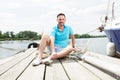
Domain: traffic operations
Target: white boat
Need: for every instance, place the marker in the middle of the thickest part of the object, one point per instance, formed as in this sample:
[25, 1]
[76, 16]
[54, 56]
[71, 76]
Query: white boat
[112, 30]
[111, 27]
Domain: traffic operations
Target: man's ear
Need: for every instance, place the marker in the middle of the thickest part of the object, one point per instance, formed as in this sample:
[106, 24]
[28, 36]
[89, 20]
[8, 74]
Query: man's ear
[57, 20]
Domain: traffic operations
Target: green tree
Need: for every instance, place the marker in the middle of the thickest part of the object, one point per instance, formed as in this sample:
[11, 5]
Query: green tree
[85, 36]
[12, 34]
[27, 35]
[0, 34]
[6, 35]
[77, 35]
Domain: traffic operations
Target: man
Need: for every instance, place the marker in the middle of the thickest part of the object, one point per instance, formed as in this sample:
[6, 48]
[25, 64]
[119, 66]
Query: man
[57, 42]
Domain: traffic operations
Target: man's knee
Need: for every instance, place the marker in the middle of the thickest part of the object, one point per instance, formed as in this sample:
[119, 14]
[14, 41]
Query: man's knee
[45, 36]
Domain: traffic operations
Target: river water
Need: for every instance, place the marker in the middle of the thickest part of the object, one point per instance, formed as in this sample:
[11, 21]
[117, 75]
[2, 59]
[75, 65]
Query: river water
[9, 48]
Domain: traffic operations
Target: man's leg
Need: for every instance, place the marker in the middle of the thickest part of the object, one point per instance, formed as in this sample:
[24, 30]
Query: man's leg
[45, 40]
[66, 51]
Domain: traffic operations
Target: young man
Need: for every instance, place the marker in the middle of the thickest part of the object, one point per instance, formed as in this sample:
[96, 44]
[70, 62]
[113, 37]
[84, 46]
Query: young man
[57, 41]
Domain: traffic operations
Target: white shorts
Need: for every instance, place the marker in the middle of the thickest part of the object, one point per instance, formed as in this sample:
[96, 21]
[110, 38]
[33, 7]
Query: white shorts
[57, 48]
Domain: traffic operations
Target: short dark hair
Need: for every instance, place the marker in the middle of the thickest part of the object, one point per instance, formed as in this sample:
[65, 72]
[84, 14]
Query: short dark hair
[61, 14]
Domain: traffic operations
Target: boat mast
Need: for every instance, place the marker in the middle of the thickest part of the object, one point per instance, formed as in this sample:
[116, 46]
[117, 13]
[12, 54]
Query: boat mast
[113, 10]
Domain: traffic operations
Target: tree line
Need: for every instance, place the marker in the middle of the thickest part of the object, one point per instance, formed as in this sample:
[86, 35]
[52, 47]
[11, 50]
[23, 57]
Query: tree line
[88, 36]
[31, 35]
[22, 35]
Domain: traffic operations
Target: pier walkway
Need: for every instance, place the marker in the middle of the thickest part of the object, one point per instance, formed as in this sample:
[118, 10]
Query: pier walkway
[69, 68]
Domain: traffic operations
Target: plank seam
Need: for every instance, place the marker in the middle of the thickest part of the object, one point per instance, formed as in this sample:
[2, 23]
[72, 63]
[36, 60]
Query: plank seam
[16, 54]
[88, 69]
[44, 72]
[15, 64]
[107, 72]
[64, 70]
[25, 68]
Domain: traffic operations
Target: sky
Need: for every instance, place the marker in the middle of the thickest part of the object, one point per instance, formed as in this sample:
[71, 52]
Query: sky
[40, 15]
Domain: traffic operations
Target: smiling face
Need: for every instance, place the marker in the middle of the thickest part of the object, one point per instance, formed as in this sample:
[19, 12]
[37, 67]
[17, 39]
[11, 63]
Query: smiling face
[61, 20]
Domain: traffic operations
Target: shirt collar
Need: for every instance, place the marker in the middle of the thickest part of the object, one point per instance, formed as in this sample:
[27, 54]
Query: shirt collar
[58, 28]
[64, 26]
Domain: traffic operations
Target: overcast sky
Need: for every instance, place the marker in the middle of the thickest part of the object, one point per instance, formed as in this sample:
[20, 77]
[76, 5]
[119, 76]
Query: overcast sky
[40, 15]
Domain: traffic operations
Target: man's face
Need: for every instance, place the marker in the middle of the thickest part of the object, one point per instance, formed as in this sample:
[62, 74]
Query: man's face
[61, 20]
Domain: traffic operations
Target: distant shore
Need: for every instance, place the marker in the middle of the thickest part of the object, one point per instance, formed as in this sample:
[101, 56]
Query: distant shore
[31, 35]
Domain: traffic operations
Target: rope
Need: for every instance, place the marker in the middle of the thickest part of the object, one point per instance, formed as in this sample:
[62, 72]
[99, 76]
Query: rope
[82, 49]
[91, 31]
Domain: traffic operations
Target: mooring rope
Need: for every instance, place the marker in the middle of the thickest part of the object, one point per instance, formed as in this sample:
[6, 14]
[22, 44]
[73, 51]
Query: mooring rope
[84, 48]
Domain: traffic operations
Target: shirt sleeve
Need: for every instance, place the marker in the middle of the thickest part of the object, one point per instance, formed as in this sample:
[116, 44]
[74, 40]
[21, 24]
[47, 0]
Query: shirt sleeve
[52, 33]
[70, 31]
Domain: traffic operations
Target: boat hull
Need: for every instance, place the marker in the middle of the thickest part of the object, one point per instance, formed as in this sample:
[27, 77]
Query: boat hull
[114, 36]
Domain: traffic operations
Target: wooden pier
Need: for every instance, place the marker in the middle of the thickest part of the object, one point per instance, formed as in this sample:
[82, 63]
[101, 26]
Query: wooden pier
[69, 68]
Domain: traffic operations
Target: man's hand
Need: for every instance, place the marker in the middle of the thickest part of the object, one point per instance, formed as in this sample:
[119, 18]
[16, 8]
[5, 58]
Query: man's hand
[75, 50]
[54, 54]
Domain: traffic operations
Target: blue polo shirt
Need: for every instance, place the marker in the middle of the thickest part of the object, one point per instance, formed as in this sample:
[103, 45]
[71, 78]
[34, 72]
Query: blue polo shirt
[61, 37]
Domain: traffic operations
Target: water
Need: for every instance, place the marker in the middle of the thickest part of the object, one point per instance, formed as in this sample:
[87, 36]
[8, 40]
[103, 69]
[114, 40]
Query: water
[97, 45]
[10, 48]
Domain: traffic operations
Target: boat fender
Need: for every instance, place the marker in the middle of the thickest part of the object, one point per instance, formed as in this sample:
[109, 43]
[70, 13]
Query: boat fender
[34, 45]
[110, 49]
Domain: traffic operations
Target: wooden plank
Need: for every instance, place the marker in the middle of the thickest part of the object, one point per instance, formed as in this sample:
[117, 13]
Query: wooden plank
[55, 72]
[99, 56]
[106, 63]
[33, 73]
[15, 71]
[77, 72]
[18, 58]
[102, 75]
[4, 60]
[107, 66]
[103, 57]
[14, 56]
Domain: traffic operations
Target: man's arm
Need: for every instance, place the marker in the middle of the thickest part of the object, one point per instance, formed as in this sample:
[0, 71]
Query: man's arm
[73, 43]
[73, 40]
